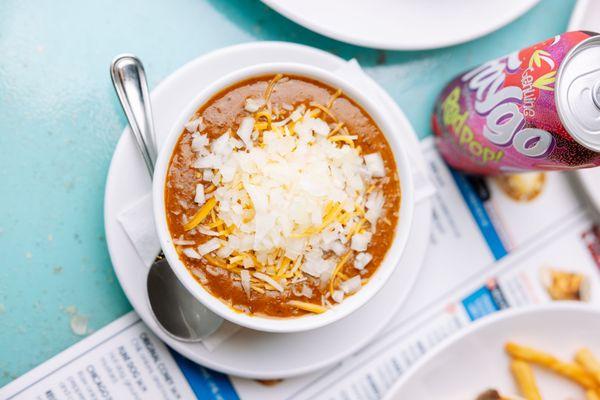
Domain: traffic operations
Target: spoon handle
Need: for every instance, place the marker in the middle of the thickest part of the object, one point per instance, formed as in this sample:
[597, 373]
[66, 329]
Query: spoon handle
[129, 80]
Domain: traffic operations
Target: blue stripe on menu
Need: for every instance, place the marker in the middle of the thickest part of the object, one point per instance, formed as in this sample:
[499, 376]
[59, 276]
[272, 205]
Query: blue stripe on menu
[480, 215]
[206, 384]
[480, 303]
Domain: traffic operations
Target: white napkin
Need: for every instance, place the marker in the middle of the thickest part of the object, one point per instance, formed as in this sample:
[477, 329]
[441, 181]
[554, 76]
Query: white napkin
[138, 219]
[138, 222]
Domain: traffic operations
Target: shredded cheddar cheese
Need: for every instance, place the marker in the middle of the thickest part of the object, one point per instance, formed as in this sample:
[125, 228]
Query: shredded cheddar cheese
[311, 307]
[337, 269]
[201, 214]
[324, 109]
[269, 90]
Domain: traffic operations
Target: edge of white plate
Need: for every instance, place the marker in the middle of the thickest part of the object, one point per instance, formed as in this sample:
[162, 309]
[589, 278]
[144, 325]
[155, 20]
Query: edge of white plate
[526, 5]
[481, 324]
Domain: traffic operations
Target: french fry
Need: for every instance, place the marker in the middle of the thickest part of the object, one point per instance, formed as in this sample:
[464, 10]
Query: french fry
[523, 374]
[589, 362]
[592, 395]
[572, 371]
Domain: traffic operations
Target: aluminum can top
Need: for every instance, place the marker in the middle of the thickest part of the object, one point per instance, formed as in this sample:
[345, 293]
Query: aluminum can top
[577, 93]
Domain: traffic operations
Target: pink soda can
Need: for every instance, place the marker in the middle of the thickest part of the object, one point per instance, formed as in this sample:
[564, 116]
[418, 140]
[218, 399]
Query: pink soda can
[536, 109]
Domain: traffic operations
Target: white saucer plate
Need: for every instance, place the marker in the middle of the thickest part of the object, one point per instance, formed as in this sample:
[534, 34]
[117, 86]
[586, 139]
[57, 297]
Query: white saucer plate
[402, 24]
[248, 353]
[475, 360]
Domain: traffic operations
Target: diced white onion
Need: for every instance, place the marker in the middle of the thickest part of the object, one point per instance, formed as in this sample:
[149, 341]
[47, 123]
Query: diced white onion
[360, 241]
[317, 266]
[205, 231]
[338, 296]
[207, 175]
[183, 242]
[306, 291]
[247, 262]
[253, 105]
[214, 271]
[199, 198]
[225, 251]
[352, 285]
[361, 260]
[375, 165]
[194, 125]
[374, 207]
[245, 130]
[199, 142]
[245, 279]
[338, 248]
[191, 253]
[209, 246]
[200, 275]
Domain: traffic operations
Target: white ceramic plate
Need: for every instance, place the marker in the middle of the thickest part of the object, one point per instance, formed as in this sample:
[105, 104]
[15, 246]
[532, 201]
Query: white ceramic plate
[249, 353]
[587, 16]
[402, 24]
[475, 360]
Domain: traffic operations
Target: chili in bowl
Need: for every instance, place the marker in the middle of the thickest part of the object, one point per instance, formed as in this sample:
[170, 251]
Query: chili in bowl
[283, 198]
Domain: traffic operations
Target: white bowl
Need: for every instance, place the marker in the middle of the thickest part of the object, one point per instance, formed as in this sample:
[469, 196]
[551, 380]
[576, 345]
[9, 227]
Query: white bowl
[475, 360]
[382, 273]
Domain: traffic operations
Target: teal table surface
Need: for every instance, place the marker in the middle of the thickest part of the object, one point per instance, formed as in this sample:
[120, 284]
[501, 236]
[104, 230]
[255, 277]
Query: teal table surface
[60, 122]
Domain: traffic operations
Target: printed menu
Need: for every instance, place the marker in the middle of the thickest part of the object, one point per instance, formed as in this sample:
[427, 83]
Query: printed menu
[495, 244]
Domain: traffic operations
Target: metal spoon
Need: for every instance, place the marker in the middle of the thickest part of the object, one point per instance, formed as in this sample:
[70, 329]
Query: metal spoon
[175, 309]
